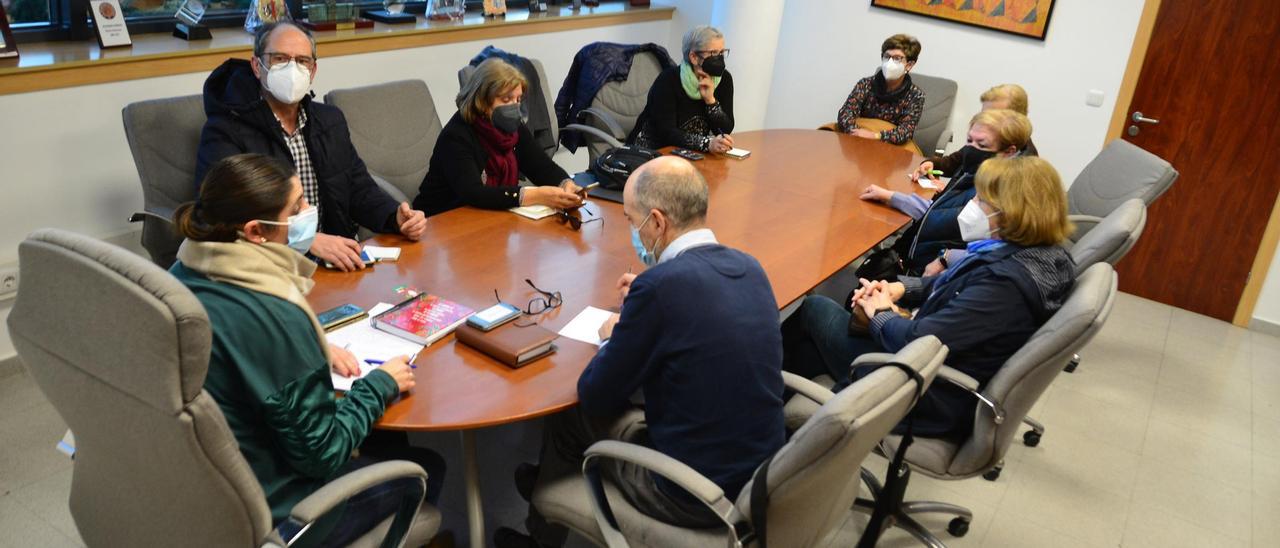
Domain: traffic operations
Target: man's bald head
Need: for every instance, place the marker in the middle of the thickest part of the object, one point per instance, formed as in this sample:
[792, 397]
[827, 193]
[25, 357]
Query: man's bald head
[670, 185]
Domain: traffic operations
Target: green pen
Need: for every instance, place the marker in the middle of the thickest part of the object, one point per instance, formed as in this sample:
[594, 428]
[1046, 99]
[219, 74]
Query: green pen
[934, 172]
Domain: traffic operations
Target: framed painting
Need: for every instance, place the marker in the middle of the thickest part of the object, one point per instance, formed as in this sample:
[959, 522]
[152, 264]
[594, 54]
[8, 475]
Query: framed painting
[1021, 17]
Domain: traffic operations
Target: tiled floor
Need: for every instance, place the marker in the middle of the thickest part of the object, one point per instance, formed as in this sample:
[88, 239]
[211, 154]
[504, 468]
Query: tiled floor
[1167, 435]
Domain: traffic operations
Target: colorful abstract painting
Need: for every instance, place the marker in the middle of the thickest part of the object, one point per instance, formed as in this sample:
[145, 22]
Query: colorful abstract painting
[1021, 17]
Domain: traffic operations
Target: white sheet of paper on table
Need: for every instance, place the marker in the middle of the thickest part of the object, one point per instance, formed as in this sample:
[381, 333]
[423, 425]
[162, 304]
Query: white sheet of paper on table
[367, 343]
[379, 253]
[927, 183]
[585, 326]
[534, 212]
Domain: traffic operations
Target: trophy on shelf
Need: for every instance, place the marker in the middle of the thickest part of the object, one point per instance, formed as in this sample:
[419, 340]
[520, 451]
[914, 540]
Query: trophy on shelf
[189, 15]
[392, 12]
[536, 6]
[446, 10]
[265, 11]
[334, 15]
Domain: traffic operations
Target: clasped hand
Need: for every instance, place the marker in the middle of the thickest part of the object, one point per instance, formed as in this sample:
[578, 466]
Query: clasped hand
[873, 296]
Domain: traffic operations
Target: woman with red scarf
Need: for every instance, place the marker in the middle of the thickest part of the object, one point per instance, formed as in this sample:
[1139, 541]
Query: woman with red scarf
[485, 147]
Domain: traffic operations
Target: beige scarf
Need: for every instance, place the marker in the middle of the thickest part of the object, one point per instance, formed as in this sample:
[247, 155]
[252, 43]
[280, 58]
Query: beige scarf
[271, 268]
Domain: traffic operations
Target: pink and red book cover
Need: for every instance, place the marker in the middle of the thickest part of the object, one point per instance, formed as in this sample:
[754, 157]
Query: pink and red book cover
[423, 319]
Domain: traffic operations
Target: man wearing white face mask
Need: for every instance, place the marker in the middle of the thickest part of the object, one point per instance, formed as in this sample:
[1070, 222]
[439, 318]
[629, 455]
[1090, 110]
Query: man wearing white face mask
[265, 106]
[698, 334]
[887, 95]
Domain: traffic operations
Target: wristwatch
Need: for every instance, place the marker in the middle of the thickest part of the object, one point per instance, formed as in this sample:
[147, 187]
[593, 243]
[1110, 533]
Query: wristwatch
[942, 258]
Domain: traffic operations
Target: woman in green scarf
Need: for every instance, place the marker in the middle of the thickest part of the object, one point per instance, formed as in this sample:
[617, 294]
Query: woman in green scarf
[269, 366]
[691, 106]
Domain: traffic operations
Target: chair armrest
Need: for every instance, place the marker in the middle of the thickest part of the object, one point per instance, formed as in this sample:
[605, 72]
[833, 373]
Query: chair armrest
[807, 388]
[872, 358]
[395, 193]
[970, 385]
[162, 213]
[677, 472]
[336, 492]
[594, 132]
[1084, 223]
[943, 141]
[614, 127]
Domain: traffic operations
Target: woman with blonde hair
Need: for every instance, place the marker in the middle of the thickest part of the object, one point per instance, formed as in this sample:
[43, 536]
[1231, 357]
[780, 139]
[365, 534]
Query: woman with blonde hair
[485, 147]
[992, 134]
[984, 308]
[999, 97]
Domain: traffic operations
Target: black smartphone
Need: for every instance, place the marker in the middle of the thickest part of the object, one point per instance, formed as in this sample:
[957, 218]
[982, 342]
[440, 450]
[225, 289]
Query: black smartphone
[337, 317]
[687, 154]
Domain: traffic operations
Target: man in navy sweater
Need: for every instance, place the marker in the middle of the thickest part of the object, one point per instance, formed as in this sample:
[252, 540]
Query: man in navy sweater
[698, 335]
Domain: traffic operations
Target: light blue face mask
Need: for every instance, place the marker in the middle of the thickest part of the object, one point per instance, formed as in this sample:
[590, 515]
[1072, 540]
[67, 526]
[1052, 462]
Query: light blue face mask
[649, 259]
[302, 229]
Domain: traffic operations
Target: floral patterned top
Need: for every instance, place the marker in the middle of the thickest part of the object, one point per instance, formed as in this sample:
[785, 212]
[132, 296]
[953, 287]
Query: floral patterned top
[901, 107]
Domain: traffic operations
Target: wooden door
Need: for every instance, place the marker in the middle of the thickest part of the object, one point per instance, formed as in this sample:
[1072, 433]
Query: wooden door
[1210, 77]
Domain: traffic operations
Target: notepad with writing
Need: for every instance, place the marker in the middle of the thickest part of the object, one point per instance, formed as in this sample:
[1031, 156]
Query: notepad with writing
[423, 318]
[534, 212]
[511, 344]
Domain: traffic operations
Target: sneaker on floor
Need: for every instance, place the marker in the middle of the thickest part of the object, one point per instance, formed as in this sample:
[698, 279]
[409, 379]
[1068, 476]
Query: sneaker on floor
[526, 478]
[506, 537]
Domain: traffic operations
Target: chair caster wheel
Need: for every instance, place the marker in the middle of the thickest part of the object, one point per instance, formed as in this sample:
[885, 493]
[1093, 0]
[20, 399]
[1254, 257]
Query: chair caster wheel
[958, 527]
[991, 475]
[1031, 438]
[1071, 366]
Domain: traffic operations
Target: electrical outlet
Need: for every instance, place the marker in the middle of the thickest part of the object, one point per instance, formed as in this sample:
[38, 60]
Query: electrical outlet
[8, 281]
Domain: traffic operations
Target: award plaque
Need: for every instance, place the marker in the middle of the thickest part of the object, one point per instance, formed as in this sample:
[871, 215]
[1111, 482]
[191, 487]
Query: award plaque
[189, 15]
[8, 48]
[265, 11]
[108, 21]
[495, 8]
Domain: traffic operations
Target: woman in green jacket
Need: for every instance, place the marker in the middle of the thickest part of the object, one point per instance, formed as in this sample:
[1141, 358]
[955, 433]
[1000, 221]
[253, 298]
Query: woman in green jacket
[269, 367]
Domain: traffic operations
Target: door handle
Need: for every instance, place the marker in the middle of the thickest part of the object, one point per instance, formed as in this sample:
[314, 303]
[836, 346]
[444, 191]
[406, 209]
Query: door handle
[1137, 117]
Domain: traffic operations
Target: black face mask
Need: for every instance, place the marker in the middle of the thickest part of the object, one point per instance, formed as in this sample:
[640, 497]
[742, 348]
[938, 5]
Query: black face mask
[508, 118]
[973, 157]
[714, 66]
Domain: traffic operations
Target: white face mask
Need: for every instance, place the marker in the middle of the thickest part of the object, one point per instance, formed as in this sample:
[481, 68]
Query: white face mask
[974, 224]
[289, 82]
[893, 70]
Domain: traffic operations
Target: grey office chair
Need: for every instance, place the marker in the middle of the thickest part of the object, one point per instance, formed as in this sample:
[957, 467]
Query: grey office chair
[613, 112]
[1120, 172]
[394, 127]
[809, 495]
[121, 349]
[164, 135]
[933, 132]
[464, 75]
[1112, 237]
[1001, 404]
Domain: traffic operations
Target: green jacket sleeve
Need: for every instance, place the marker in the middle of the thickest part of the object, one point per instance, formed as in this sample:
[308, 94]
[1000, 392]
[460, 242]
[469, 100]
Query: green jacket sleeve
[287, 379]
[316, 430]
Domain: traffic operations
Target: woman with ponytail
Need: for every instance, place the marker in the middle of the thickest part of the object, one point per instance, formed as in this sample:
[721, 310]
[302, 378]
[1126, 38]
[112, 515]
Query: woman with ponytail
[269, 365]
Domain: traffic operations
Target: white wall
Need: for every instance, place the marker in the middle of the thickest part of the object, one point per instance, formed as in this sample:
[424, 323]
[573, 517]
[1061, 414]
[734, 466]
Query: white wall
[1266, 315]
[827, 45]
[67, 165]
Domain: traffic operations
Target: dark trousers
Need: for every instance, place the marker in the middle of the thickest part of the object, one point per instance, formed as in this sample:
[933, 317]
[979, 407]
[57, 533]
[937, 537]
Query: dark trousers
[370, 507]
[816, 341]
[567, 436]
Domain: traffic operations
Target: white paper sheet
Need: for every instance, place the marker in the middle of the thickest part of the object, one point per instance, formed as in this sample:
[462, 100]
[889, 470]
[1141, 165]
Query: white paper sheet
[927, 183]
[379, 253]
[367, 343]
[585, 326]
[534, 212]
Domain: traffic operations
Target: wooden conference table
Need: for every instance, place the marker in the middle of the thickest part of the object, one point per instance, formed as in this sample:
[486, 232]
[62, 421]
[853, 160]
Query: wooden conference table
[793, 205]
